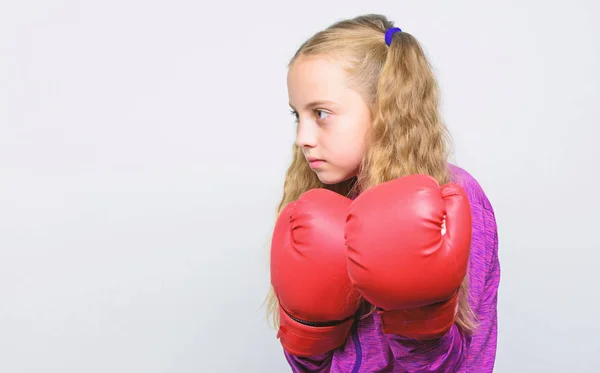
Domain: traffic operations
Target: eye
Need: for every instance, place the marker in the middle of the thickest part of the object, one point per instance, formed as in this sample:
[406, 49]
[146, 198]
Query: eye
[319, 112]
[294, 114]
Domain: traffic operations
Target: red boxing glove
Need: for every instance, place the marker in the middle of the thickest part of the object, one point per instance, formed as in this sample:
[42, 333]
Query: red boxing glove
[400, 260]
[309, 274]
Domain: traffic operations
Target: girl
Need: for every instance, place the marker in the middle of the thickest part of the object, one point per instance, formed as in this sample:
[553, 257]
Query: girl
[384, 256]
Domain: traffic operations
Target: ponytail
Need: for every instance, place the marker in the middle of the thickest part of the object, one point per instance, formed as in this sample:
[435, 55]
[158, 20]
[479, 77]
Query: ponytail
[407, 136]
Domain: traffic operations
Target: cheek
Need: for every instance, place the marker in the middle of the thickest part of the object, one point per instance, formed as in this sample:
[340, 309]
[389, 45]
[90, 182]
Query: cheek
[352, 147]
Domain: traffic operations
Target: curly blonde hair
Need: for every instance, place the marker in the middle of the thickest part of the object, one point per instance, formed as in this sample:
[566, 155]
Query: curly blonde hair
[407, 134]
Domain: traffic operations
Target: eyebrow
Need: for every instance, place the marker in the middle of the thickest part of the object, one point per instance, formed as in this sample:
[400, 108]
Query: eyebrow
[316, 103]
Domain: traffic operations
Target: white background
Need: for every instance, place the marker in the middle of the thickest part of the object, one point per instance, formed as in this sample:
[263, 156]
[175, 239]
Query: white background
[143, 146]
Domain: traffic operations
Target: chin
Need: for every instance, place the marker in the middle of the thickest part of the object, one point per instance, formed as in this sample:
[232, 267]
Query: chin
[330, 179]
[327, 181]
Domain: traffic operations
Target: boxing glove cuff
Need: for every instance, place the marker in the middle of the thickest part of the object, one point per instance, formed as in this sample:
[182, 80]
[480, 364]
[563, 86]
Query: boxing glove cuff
[423, 323]
[301, 339]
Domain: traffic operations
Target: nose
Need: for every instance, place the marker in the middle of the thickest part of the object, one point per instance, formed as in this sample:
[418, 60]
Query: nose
[306, 135]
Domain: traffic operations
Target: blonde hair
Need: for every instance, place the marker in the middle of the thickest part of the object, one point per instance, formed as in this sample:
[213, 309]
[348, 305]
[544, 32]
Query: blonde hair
[407, 134]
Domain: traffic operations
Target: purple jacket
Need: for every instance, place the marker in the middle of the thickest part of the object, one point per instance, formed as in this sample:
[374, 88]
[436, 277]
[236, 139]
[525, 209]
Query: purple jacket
[368, 350]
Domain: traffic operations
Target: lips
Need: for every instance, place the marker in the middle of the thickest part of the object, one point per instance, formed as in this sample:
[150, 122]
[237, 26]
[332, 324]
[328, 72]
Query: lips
[315, 162]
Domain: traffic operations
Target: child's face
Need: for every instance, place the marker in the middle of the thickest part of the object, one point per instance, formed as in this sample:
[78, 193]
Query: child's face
[332, 118]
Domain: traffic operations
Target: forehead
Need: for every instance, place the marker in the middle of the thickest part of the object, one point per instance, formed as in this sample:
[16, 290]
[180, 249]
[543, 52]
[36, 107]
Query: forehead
[316, 78]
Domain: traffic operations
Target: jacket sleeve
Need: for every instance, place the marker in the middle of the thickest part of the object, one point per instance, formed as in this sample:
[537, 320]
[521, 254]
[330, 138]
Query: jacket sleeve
[456, 352]
[314, 364]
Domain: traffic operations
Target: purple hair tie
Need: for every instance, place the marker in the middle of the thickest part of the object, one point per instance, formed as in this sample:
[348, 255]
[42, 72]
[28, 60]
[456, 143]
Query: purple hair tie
[389, 33]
